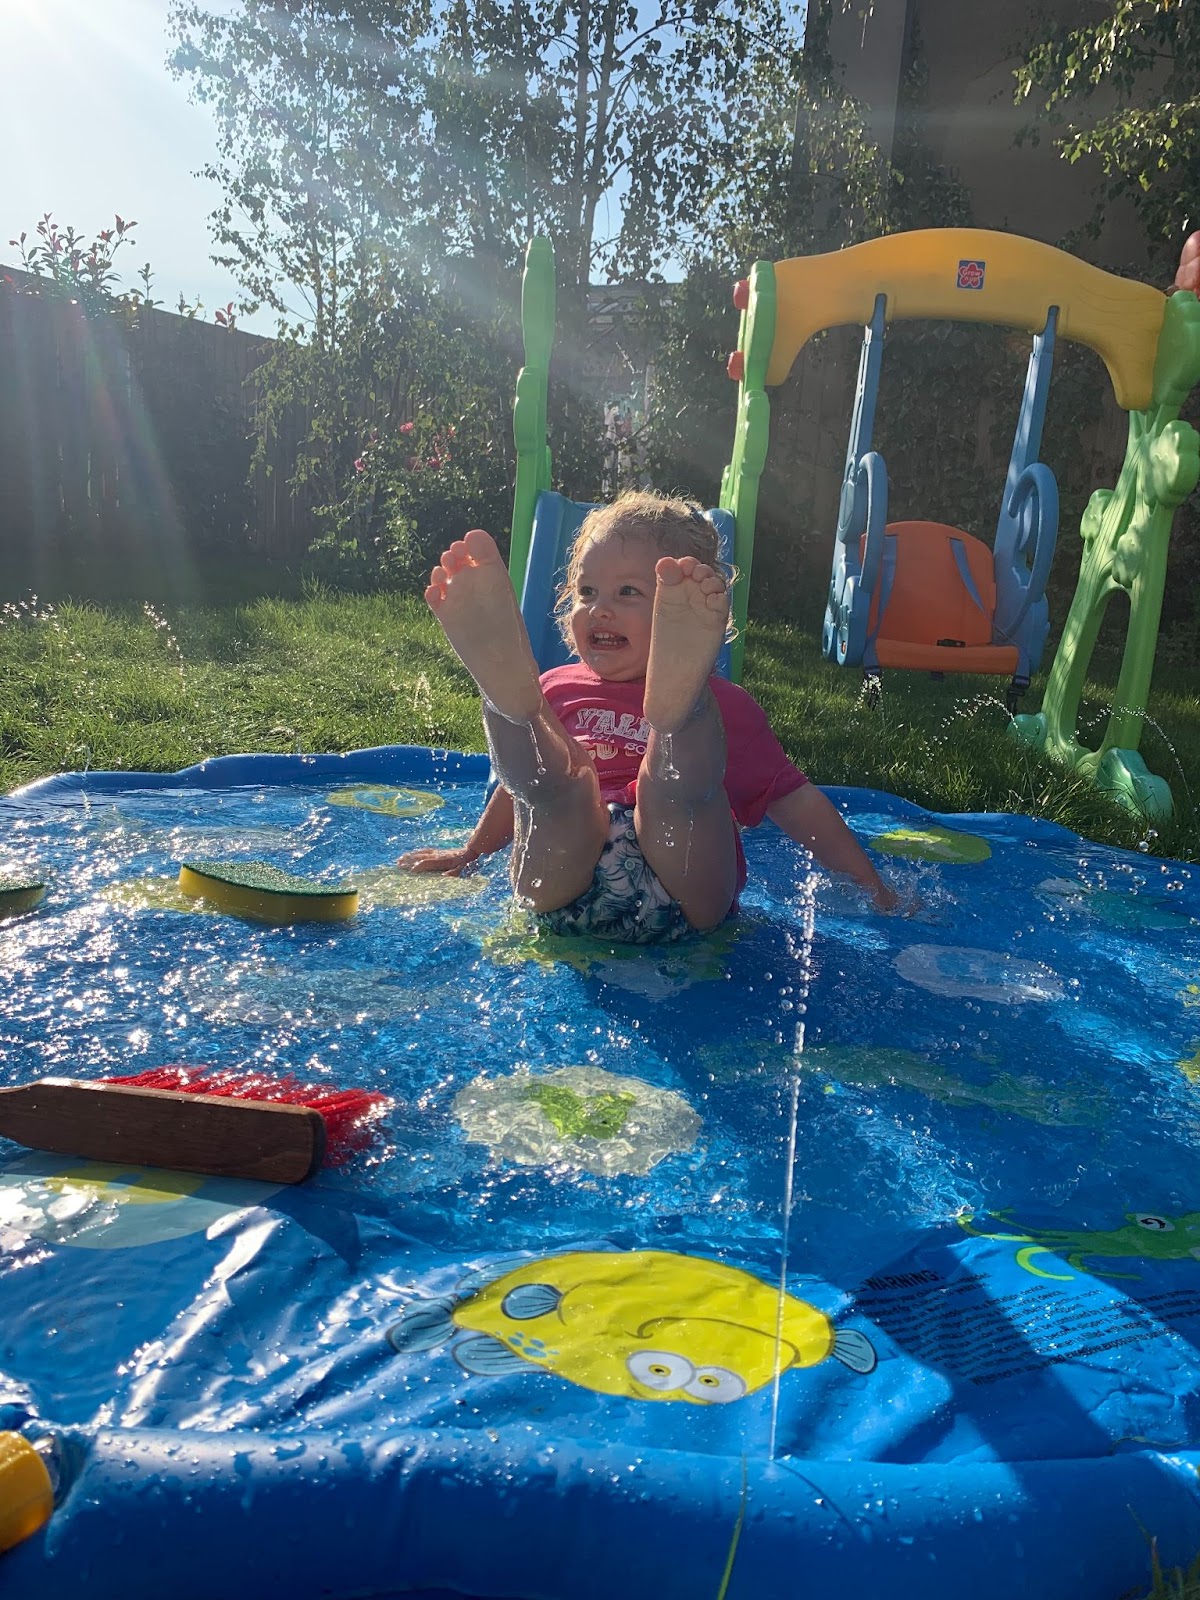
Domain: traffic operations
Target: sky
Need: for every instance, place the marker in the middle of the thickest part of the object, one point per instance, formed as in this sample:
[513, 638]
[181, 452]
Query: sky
[92, 124]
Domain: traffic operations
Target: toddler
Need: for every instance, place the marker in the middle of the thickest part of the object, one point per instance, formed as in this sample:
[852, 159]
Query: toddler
[626, 776]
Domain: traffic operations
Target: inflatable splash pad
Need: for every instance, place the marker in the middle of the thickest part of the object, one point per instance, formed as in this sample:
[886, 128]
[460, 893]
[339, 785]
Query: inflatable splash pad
[833, 1250]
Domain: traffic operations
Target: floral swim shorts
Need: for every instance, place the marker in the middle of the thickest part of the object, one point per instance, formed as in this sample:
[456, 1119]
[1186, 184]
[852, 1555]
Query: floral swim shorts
[625, 901]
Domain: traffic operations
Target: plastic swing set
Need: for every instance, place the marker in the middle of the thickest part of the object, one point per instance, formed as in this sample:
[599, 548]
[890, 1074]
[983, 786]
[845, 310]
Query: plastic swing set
[919, 595]
[544, 522]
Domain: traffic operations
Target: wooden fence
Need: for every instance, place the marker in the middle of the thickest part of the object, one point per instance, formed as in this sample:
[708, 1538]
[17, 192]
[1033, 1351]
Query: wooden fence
[130, 439]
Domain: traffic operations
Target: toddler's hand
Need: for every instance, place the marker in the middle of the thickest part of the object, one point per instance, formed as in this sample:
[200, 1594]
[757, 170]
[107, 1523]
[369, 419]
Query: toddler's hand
[885, 898]
[896, 903]
[450, 863]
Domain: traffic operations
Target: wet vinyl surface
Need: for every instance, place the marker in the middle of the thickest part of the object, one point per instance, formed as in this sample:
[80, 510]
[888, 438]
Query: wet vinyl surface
[981, 1124]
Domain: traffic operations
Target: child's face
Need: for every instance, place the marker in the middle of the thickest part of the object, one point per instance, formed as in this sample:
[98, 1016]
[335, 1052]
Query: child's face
[614, 606]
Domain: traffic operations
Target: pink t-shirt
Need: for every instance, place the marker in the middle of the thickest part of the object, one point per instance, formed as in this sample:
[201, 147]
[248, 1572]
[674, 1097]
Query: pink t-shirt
[607, 718]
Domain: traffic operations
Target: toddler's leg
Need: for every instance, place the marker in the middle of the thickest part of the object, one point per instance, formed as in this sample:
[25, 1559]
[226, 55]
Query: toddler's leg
[561, 821]
[683, 821]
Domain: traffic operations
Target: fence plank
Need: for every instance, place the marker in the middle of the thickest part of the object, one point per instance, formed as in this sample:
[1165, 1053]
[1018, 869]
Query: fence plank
[121, 435]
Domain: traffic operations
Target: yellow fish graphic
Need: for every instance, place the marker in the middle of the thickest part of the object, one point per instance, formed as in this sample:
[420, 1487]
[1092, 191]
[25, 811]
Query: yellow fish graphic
[648, 1324]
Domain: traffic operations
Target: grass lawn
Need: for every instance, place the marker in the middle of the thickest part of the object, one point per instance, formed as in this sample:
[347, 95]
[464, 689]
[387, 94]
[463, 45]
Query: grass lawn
[157, 689]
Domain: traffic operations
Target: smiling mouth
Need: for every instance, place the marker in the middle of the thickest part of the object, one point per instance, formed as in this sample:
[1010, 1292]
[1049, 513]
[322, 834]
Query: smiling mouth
[608, 641]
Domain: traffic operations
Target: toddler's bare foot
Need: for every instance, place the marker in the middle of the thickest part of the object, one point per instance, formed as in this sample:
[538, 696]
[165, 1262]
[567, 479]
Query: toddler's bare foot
[471, 595]
[691, 609]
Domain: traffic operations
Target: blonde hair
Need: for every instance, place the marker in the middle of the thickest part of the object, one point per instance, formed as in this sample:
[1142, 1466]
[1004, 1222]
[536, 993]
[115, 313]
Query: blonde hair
[675, 527]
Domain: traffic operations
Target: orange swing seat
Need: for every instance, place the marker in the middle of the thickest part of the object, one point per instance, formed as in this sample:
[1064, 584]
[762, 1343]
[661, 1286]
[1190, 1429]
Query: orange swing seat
[934, 604]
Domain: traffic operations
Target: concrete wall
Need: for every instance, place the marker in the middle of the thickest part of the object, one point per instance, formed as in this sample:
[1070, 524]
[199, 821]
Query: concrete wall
[870, 41]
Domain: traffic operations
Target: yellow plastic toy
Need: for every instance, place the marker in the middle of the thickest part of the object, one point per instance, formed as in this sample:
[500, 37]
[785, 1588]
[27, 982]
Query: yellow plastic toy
[263, 893]
[26, 1490]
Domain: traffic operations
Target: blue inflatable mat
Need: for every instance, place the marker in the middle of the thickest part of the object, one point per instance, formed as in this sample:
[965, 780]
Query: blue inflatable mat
[834, 1249]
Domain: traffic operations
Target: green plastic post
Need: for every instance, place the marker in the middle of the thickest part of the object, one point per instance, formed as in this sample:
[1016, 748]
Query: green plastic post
[529, 407]
[739, 485]
[1125, 532]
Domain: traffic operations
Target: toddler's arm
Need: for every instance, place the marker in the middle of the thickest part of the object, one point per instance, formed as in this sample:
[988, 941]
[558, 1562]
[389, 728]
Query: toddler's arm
[491, 833]
[812, 820]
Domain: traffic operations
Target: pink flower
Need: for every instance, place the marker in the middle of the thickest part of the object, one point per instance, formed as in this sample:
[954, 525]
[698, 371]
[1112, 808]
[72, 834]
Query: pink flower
[407, 427]
[360, 465]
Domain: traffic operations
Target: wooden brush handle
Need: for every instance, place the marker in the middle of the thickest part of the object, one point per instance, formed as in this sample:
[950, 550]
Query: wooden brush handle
[222, 1137]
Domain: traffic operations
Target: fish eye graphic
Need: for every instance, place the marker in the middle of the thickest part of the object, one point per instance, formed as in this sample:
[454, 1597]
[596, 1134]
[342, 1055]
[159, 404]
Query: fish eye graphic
[1153, 1224]
[717, 1385]
[660, 1370]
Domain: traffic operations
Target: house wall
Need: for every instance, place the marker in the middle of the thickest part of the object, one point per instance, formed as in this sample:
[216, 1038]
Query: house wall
[969, 51]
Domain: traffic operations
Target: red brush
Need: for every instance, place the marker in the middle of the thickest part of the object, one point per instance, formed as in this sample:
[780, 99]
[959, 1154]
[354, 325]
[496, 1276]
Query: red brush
[350, 1115]
[193, 1119]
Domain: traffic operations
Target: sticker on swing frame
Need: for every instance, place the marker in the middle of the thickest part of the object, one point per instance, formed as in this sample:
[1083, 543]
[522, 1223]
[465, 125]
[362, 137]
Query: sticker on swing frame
[971, 274]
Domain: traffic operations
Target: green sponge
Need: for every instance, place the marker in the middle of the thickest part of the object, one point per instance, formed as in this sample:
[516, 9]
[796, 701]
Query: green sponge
[19, 894]
[264, 893]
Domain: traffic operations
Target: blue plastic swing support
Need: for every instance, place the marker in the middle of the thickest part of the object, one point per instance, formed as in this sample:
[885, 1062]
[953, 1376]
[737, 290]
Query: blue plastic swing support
[1025, 533]
[863, 509]
[1027, 530]
[556, 521]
